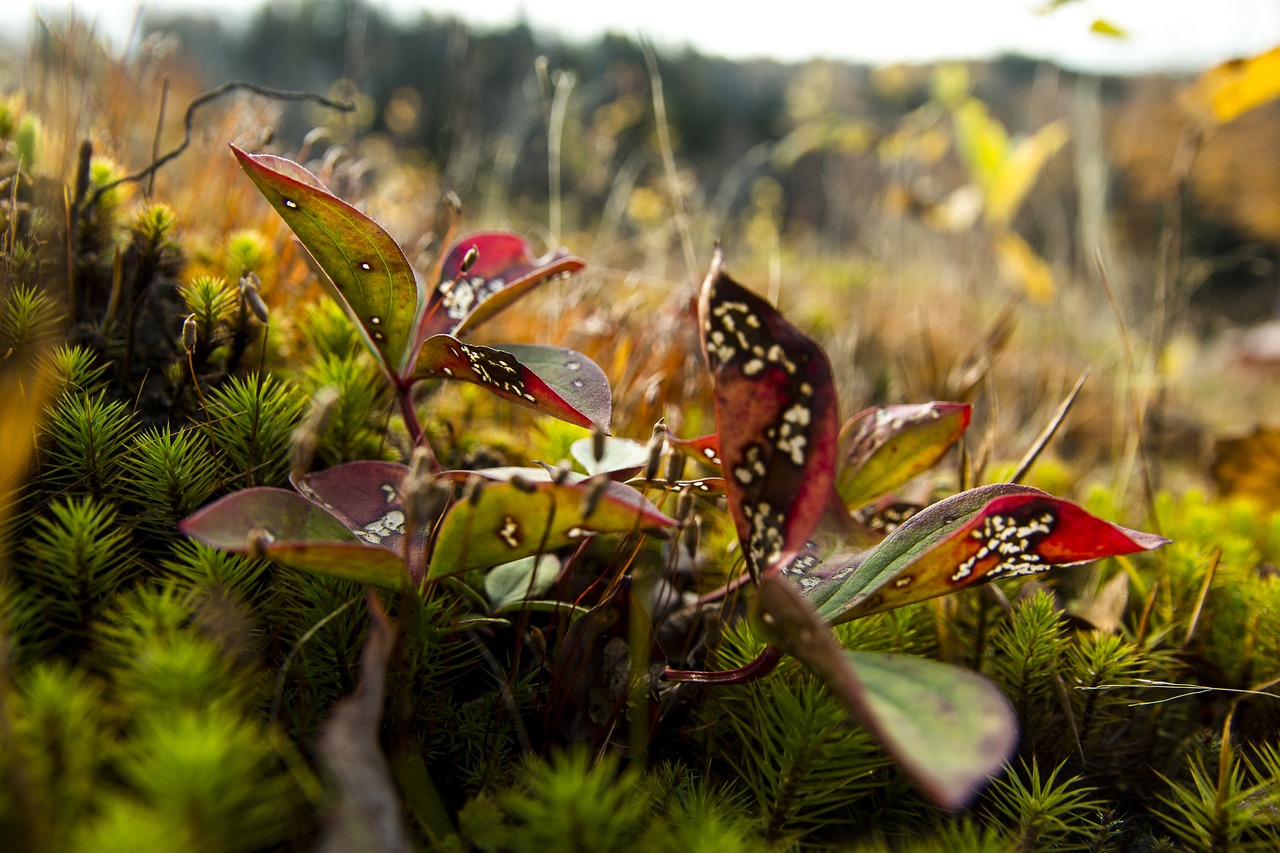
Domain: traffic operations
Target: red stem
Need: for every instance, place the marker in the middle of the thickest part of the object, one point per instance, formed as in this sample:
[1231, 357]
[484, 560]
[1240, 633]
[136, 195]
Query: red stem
[766, 663]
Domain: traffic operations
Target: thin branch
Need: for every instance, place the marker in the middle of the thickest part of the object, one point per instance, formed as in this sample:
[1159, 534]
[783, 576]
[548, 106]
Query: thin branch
[1047, 435]
[189, 118]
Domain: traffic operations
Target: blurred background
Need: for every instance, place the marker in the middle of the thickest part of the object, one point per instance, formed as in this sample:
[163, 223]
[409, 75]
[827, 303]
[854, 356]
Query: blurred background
[956, 197]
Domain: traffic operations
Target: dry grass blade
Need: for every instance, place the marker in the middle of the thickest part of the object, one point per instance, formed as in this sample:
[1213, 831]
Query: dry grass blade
[1049, 431]
[669, 162]
[1204, 593]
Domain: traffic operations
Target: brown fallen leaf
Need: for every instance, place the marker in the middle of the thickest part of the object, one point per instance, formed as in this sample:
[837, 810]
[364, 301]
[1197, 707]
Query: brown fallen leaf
[1249, 466]
[366, 811]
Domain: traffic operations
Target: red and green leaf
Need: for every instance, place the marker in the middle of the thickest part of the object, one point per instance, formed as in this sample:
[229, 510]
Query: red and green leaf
[705, 449]
[776, 416]
[503, 270]
[289, 529]
[556, 381]
[367, 272]
[949, 729]
[366, 496]
[884, 447]
[972, 538]
[520, 512]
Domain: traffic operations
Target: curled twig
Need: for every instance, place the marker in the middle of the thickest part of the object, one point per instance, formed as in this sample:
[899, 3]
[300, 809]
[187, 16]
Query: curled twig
[199, 101]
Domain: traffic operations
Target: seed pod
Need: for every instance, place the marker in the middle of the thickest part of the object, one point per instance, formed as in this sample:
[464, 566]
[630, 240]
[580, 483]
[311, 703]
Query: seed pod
[253, 298]
[675, 467]
[469, 260]
[597, 441]
[307, 435]
[691, 533]
[561, 474]
[595, 493]
[684, 504]
[258, 540]
[523, 484]
[189, 333]
[453, 204]
[471, 491]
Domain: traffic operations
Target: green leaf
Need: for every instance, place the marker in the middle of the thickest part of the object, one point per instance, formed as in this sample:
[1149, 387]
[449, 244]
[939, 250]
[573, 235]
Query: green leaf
[520, 580]
[553, 380]
[622, 456]
[950, 729]
[293, 531]
[521, 512]
[367, 271]
[884, 447]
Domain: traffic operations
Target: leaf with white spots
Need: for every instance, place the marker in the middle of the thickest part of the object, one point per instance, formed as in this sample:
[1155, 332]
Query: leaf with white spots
[705, 449]
[519, 512]
[622, 457]
[289, 529]
[366, 496]
[502, 270]
[972, 538]
[366, 271]
[949, 729]
[776, 416]
[884, 447]
[553, 380]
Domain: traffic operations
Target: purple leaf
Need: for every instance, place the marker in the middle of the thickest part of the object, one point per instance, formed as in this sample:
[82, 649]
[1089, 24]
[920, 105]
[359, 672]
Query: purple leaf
[366, 496]
[555, 381]
[504, 270]
[776, 416]
[292, 530]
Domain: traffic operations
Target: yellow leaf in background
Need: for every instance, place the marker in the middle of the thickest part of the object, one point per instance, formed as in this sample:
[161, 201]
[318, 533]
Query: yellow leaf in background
[24, 393]
[1020, 263]
[1250, 466]
[981, 141]
[1106, 28]
[1233, 88]
[1013, 180]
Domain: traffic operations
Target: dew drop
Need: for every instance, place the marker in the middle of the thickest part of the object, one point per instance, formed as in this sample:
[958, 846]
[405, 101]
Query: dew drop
[365, 265]
[291, 204]
[375, 321]
[578, 383]
[573, 365]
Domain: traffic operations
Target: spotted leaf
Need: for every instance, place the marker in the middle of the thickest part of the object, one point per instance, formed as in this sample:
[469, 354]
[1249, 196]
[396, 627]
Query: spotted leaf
[705, 449]
[519, 512]
[883, 448]
[776, 417]
[366, 496]
[949, 729]
[502, 270]
[290, 529]
[556, 381]
[969, 539]
[366, 271]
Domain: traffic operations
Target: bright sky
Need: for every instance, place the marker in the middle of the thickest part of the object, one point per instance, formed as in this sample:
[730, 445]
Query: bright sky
[1161, 34]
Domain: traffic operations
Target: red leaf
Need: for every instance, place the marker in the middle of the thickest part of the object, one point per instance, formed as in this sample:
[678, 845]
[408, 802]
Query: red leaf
[504, 270]
[776, 416]
[705, 449]
[292, 530]
[556, 381]
[951, 546]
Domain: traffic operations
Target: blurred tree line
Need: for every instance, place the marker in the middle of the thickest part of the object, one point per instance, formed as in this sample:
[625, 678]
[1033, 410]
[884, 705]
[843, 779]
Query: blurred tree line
[813, 146]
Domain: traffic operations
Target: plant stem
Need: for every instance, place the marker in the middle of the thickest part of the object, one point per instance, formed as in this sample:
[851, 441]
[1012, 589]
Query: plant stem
[766, 663]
